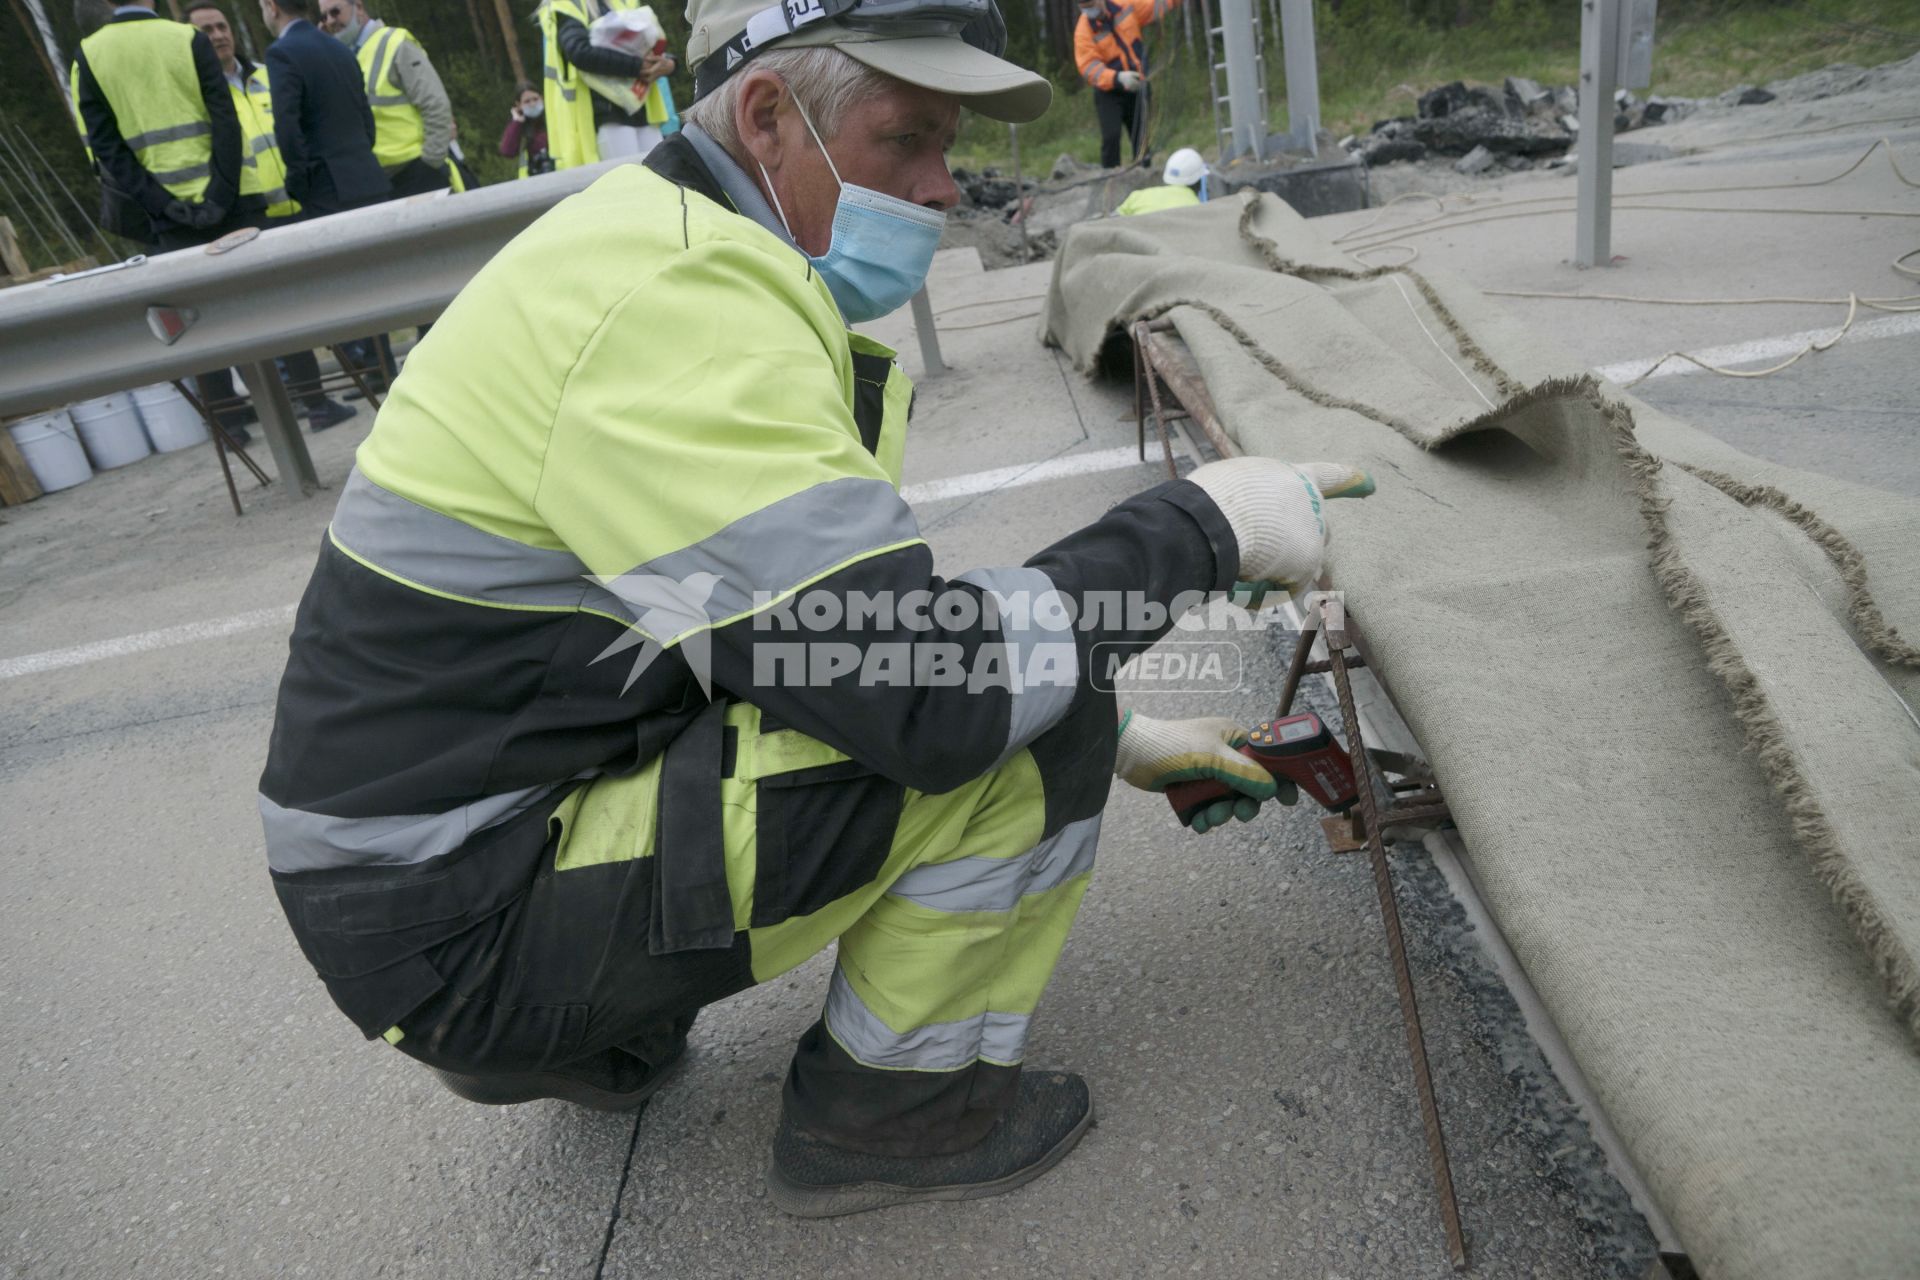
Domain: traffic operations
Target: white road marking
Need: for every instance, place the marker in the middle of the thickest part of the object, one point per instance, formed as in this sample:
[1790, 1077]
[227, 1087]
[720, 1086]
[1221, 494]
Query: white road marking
[1000, 478]
[143, 642]
[1078, 464]
[1761, 350]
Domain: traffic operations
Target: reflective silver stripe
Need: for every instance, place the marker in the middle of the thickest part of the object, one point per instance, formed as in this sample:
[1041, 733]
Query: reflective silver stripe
[553, 74]
[276, 196]
[772, 550]
[183, 175]
[998, 884]
[302, 841]
[1027, 599]
[174, 133]
[938, 1046]
[265, 142]
[443, 554]
[387, 100]
[377, 64]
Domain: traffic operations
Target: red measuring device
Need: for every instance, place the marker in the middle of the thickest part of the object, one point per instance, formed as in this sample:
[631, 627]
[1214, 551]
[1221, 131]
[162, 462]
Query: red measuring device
[1298, 748]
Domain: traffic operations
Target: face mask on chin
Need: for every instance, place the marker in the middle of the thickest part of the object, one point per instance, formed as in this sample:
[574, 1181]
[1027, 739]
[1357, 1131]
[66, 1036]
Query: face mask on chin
[882, 246]
[349, 35]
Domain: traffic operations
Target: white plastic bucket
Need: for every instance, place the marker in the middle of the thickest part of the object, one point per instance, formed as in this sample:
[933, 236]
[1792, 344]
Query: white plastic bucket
[170, 421]
[51, 445]
[110, 429]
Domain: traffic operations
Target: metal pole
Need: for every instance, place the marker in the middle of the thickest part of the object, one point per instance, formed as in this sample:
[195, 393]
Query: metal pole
[1303, 74]
[1249, 127]
[282, 428]
[1599, 56]
[929, 339]
[1019, 193]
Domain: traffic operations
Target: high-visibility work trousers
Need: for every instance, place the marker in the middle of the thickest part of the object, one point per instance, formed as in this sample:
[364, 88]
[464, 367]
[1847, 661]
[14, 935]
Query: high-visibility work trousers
[744, 850]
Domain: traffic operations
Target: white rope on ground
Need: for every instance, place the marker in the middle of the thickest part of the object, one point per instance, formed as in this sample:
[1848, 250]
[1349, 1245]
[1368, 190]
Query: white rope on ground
[1853, 310]
[1447, 219]
[1464, 376]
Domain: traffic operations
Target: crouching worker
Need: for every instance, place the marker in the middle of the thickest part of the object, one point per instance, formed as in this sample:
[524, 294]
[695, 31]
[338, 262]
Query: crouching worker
[1184, 184]
[625, 682]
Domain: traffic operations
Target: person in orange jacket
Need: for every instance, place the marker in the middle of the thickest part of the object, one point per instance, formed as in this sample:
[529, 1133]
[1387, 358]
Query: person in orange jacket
[1112, 57]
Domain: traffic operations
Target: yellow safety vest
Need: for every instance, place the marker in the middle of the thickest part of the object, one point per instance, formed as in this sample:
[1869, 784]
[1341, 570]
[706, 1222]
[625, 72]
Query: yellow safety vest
[80, 122]
[145, 70]
[1152, 199]
[570, 134]
[262, 171]
[398, 131]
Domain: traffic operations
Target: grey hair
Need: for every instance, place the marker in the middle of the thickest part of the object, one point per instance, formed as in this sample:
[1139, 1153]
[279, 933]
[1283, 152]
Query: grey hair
[821, 78]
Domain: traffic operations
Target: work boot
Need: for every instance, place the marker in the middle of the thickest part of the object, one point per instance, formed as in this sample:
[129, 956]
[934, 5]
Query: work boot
[612, 1081]
[812, 1178]
[327, 413]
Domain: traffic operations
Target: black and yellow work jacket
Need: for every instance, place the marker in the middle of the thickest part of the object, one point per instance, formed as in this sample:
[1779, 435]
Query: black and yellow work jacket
[639, 447]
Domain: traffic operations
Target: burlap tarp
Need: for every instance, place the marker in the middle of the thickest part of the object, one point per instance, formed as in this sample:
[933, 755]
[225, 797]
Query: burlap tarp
[1665, 690]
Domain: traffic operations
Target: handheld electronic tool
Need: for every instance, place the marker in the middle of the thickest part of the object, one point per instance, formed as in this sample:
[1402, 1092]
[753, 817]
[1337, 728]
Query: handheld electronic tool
[1297, 748]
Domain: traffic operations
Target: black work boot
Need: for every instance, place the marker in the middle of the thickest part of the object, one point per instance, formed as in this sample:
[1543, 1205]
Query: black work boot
[811, 1178]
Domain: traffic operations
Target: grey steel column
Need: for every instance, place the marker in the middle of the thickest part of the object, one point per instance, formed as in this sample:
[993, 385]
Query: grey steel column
[923, 329]
[1303, 75]
[1248, 126]
[1599, 61]
[282, 428]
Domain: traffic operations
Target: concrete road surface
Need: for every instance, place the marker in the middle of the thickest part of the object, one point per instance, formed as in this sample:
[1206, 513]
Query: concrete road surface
[180, 1098]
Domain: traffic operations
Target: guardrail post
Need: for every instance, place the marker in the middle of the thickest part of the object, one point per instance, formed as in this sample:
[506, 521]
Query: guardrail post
[1599, 61]
[1302, 61]
[929, 338]
[281, 427]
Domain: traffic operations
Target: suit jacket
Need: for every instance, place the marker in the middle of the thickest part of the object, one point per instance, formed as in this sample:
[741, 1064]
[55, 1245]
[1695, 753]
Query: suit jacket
[132, 203]
[322, 121]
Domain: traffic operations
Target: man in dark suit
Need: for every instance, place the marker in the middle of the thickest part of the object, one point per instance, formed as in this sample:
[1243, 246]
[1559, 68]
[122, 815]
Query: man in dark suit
[320, 114]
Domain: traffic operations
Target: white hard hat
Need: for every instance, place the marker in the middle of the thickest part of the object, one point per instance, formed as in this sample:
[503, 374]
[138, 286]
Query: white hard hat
[1184, 168]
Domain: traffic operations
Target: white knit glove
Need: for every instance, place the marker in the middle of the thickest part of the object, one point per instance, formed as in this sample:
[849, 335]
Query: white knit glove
[1130, 81]
[1277, 513]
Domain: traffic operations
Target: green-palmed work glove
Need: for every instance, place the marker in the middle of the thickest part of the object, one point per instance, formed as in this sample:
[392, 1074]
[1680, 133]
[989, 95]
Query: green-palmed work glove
[1155, 754]
[1277, 511]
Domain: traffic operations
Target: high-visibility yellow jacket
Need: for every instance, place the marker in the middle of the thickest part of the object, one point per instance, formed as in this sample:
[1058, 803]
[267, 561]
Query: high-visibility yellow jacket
[262, 172]
[398, 131]
[631, 443]
[145, 70]
[570, 130]
[1152, 199]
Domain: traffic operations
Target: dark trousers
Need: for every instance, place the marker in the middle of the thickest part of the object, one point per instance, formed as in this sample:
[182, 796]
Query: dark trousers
[1115, 109]
[581, 973]
[415, 178]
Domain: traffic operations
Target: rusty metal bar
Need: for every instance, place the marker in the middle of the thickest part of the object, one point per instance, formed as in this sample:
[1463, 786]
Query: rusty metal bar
[1397, 948]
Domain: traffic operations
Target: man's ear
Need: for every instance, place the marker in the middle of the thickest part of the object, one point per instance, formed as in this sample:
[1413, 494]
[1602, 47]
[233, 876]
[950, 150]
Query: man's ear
[757, 116]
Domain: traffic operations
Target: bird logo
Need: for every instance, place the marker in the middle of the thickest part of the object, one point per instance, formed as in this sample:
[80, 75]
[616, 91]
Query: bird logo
[666, 612]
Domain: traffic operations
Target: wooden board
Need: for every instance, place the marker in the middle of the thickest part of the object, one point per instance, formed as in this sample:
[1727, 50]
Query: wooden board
[17, 484]
[14, 261]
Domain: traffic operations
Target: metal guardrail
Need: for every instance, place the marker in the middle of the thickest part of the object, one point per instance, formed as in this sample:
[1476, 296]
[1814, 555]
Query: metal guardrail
[311, 284]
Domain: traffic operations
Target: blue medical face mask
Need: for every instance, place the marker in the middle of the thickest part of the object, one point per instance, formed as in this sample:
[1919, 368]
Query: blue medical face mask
[882, 246]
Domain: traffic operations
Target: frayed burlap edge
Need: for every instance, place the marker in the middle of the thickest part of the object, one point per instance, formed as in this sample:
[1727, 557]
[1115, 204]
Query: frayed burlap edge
[1270, 253]
[1687, 596]
[1880, 636]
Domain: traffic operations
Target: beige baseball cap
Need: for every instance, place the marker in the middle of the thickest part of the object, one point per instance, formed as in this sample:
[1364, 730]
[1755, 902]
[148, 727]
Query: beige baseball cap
[731, 30]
